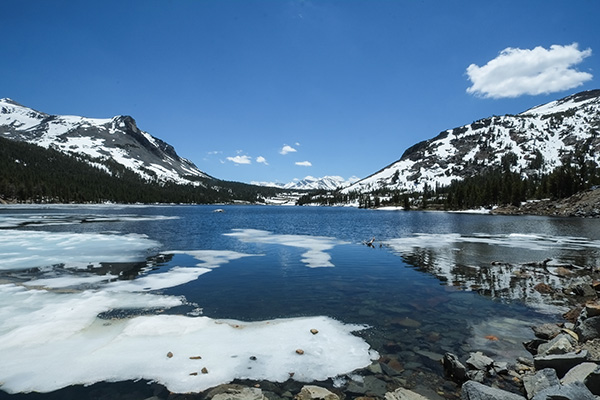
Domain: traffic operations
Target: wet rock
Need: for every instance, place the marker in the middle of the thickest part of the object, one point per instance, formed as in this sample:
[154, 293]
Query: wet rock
[369, 386]
[169, 355]
[572, 391]
[403, 394]
[476, 391]
[314, 331]
[453, 368]
[561, 344]
[311, 392]
[546, 331]
[588, 373]
[479, 361]
[235, 392]
[572, 314]
[542, 380]
[562, 363]
[500, 367]
[592, 310]
[588, 328]
[533, 345]
[584, 290]
[543, 288]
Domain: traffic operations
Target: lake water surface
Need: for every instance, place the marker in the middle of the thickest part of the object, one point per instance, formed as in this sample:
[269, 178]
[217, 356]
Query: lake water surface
[85, 286]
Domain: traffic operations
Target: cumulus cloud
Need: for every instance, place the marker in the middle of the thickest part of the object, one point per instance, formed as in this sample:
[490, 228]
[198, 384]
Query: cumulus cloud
[262, 160]
[516, 72]
[240, 159]
[287, 149]
[304, 163]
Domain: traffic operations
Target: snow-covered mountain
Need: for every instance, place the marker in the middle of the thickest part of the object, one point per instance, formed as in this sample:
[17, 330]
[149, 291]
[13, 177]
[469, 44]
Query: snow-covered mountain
[533, 142]
[97, 141]
[312, 183]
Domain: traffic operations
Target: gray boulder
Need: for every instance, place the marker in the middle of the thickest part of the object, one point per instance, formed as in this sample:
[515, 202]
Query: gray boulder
[588, 328]
[561, 363]
[561, 344]
[546, 331]
[472, 390]
[479, 361]
[542, 379]
[572, 391]
[588, 373]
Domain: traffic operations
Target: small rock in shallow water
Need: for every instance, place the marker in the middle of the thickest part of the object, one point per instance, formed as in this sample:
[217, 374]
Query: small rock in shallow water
[169, 355]
[311, 392]
[403, 394]
[314, 331]
[299, 351]
[204, 370]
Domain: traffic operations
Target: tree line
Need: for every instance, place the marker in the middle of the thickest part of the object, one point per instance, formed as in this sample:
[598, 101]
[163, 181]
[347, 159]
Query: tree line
[30, 173]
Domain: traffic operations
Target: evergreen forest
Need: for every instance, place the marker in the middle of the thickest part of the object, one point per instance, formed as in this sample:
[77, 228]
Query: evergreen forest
[29, 173]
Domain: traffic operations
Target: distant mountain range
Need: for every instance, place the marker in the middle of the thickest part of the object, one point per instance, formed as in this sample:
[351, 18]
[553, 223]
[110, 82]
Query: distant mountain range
[97, 141]
[312, 183]
[531, 143]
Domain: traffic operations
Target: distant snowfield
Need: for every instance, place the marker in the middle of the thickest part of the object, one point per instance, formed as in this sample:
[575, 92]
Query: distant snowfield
[52, 334]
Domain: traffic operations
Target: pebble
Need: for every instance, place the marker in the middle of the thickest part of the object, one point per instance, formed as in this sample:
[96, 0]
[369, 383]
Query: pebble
[314, 331]
[169, 355]
[299, 351]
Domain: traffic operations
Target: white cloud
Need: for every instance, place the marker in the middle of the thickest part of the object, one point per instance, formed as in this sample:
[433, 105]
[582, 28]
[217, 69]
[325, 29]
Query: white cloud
[516, 72]
[304, 163]
[262, 160]
[240, 159]
[287, 149]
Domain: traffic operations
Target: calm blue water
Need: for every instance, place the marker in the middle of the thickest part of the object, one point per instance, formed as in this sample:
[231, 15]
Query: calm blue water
[427, 286]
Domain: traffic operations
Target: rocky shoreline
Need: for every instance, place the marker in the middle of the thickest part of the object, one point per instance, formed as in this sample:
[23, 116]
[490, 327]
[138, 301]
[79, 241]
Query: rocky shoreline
[584, 204]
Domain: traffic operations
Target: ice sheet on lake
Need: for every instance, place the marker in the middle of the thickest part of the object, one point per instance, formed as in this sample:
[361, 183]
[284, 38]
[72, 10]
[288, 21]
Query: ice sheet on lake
[316, 246]
[53, 338]
[35, 249]
[44, 219]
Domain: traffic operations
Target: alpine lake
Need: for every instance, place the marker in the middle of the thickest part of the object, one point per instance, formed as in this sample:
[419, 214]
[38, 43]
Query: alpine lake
[393, 288]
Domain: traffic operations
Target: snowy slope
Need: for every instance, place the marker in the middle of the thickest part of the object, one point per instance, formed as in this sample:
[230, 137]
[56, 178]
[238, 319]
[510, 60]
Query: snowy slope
[97, 141]
[538, 140]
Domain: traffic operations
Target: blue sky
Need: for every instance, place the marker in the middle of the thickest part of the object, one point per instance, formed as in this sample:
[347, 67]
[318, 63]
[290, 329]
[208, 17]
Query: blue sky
[344, 86]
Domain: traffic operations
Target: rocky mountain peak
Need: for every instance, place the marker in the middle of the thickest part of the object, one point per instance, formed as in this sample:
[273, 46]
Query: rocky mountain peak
[531, 143]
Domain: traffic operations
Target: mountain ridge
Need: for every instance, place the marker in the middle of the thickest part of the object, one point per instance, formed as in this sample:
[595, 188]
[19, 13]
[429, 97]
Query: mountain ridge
[533, 142]
[98, 140]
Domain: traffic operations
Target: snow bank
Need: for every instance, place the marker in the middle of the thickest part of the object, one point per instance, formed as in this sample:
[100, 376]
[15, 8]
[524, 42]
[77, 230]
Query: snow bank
[51, 337]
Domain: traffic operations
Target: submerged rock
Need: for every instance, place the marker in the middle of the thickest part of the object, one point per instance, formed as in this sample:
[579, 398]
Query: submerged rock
[235, 392]
[404, 394]
[311, 392]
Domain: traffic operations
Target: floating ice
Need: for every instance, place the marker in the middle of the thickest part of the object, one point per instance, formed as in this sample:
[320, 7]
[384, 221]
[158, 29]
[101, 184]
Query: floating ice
[50, 338]
[34, 249]
[316, 246]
